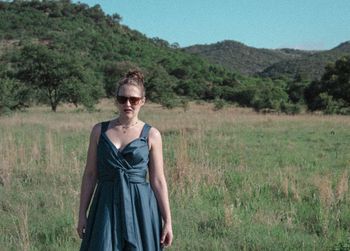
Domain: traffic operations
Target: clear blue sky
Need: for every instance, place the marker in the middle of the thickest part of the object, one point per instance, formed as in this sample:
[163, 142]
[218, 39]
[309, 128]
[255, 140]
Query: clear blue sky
[302, 24]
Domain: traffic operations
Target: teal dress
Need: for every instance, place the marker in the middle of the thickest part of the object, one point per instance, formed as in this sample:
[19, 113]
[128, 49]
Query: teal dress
[124, 214]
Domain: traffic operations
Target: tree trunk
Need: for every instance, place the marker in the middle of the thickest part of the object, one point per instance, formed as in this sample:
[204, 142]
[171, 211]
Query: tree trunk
[53, 100]
[53, 107]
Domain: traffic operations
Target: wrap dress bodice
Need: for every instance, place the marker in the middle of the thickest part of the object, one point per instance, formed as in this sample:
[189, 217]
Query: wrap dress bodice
[124, 214]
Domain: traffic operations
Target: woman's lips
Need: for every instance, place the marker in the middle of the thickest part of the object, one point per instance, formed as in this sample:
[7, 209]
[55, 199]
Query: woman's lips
[127, 110]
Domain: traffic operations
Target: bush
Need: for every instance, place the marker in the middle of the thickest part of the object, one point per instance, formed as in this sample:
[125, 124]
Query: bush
[219, 104]
[289, 108]
[262, 94]
[331, 93]
[328, 104]
[296, 90]
[13, 95]
[184, 104]
[169, 103]
[342, 246]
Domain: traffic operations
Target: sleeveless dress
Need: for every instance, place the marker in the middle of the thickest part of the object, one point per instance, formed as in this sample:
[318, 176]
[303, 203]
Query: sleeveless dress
[124, 214]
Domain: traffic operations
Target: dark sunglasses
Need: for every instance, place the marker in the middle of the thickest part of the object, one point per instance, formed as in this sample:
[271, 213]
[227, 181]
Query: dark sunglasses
[132, 100]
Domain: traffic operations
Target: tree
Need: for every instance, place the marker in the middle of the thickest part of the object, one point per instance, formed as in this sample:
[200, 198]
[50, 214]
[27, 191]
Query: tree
[269, 95]
[332, 92]
[159, 86]
[296, 89]
[13, 95]
[113, 72]
[116, 18]
[175, 45]
[160, 42]
[60, 76]
[336, 80]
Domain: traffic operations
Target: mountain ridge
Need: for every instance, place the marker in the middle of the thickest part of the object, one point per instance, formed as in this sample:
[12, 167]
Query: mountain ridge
[264, 62]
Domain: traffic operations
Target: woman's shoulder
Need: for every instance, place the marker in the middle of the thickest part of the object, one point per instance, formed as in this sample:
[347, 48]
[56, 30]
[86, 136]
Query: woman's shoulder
[154, 133]
[154, 138]
[100, 126]
[96, 130]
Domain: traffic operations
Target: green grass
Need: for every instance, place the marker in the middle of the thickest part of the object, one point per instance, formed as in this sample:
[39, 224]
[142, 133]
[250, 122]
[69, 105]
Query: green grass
[237, 180]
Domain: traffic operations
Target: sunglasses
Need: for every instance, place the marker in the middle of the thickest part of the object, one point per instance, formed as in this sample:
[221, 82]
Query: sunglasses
[132, 100]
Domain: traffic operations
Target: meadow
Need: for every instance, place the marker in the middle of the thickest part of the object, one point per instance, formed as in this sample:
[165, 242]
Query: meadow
[237, 180]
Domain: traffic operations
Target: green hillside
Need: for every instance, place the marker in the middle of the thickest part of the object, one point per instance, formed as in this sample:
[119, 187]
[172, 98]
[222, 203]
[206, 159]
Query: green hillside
[267, 62]
[310, 66]
[98, 42]
[55, 52]
[241, 58]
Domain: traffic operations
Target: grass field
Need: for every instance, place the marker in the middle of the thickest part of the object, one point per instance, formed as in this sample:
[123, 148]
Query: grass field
[237, 180]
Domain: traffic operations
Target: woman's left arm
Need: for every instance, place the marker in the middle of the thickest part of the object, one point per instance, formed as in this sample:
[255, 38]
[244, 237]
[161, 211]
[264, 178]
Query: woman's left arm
[159, 184]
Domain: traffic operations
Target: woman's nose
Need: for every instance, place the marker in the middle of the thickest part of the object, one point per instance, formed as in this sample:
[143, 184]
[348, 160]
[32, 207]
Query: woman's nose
[128, 102]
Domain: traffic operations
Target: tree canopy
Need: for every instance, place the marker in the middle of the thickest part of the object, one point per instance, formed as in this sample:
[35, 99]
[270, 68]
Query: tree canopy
[60, 77]
[58, 51]
[332, 92]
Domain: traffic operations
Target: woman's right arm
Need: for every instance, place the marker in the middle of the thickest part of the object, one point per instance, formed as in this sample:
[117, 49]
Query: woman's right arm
[89, 179]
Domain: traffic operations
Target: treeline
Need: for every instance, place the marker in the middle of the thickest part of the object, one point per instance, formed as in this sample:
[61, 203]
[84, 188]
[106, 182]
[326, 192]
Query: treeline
[242, 58]
[57, 51]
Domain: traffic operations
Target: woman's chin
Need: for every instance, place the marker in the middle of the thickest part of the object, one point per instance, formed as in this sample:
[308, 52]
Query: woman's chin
[128, 114]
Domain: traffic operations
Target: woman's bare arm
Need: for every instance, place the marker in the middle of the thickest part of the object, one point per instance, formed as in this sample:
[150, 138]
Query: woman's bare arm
[89, 178]
[159, 184]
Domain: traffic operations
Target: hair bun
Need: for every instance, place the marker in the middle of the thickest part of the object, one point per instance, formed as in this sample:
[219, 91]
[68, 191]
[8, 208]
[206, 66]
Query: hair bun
[133, 77]
[136, 75]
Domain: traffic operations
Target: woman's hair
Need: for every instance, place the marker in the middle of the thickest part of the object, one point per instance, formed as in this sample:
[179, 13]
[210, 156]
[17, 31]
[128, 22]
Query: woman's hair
[133, 77]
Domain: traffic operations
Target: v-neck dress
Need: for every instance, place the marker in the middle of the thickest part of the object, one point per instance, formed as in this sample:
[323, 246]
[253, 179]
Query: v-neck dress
[124, 214]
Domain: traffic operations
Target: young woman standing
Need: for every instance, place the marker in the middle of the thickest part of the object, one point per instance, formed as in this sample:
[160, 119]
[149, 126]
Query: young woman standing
[127, 212]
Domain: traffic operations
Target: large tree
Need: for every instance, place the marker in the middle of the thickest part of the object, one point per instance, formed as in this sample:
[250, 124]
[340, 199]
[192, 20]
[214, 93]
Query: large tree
[332, 92]
[59, 76]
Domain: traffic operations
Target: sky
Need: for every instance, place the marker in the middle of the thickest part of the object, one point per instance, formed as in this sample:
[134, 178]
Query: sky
[299, 24]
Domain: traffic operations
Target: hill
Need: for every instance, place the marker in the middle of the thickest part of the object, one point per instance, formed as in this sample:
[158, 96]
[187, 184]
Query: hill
[241, 58]
[53, 52]
[310, 66]
[269, 62]
[100, 43]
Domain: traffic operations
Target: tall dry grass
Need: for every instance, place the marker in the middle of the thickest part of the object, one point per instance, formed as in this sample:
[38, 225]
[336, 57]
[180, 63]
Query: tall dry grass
[237, 180]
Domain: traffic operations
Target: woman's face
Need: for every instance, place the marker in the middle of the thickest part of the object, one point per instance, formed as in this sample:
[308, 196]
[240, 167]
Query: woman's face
[128, 95]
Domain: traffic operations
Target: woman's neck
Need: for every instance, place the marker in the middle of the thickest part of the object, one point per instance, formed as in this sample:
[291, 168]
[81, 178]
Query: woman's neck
[127, 121]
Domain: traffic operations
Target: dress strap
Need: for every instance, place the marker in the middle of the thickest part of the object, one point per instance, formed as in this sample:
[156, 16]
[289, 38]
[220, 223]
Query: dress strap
[104, 126]
[145, 131]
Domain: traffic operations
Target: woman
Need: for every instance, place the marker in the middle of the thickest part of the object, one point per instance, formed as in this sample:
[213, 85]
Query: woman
[126, 212]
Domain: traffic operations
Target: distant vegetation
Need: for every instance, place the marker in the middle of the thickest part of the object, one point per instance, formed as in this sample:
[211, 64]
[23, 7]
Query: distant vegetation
[56, 51]
[332, 93]
[274, 63]
[241, 58]
[311, 66]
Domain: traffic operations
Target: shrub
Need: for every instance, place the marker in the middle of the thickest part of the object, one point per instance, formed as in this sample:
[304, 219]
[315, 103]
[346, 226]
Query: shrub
[289, 108]
[219, 104]
[13, 95]
[331, 93]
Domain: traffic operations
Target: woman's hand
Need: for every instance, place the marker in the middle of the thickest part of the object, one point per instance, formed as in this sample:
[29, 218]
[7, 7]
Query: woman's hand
[167, 235]
[81, 227]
